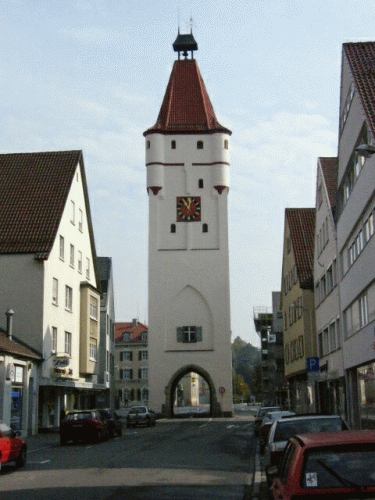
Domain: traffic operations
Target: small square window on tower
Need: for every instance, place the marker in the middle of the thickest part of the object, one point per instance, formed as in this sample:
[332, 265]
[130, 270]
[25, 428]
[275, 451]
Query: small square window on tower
[200, 183]
[199, 144]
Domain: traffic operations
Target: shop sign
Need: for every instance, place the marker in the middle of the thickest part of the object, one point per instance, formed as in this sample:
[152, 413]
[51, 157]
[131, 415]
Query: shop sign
[18, 375]
[62, 362]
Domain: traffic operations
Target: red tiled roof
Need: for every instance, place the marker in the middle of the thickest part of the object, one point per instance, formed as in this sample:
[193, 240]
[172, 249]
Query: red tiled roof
[186, 107]
[301, 223]
[33, 194]
[16, 347]
[330, 168]
[361, 59]
[135, 331]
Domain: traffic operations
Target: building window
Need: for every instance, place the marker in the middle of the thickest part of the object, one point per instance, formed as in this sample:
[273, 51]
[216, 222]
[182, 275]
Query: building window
[87, 268]
[71, 255]
[144, 336]
[173, 144]
[68, 298]
[226, 144]
[189, 334]
[55, 291]
[79, 261]
[200, 145]
[62, 247]
[363, 311]
[142, 355]
[126, 337]
[126, 356]
[72, 212]
[173, 228]
[200, 183]
[205, 228]
[148, 144]
[93, 308]
[126, 374]
[68, 343]
[54, 339]
[93, 349]
[143, 373]
[80, 220]
[332, 337]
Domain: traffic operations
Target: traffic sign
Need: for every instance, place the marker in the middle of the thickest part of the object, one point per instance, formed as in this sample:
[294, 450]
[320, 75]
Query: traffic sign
[313, 364]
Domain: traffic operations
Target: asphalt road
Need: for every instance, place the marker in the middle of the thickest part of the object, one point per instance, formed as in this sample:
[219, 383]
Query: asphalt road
[193, 459]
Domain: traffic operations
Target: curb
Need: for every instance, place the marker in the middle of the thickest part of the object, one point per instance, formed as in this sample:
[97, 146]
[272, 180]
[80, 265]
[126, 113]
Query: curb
[259, 476]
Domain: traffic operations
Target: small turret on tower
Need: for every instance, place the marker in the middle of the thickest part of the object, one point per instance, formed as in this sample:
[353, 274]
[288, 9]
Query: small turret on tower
[185, 43]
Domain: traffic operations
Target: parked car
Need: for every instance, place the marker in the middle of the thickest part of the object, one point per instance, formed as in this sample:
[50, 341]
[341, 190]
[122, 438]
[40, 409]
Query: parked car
[12, 447]
[113, 422]
[282, 430]
[266, 424]
[140, 415]
[86, 425]
[260, 415]
[326, 465]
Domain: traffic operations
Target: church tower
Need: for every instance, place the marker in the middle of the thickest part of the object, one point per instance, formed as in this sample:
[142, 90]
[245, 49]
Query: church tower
[187, 160]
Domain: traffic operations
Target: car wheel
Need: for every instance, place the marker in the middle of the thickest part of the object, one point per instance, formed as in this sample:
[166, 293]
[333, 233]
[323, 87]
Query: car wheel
[21, 459]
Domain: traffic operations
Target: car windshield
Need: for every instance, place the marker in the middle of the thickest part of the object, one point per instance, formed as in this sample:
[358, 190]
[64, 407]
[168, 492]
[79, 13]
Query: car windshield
[78, 416]
[286, 429]
[340, 466]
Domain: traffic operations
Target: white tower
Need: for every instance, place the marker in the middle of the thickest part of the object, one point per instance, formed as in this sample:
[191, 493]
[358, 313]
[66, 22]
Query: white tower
[187, 160]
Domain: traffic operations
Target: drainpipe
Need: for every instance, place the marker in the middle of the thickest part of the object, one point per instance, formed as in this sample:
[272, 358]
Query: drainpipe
[9, 314]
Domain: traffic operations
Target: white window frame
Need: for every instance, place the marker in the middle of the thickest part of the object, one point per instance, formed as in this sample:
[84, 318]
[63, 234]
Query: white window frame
[87, 268]
[93, 349]
[94, 304]
[71, 255]
[68, 298]
[72, 212]
[68, 343]
[80, 220]
[54, 339]
[62, 248]
[79, 262]
[55, 291]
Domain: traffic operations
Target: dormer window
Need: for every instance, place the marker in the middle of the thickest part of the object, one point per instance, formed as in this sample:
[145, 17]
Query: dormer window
[199, 144]
[173, 144]
[126, 337]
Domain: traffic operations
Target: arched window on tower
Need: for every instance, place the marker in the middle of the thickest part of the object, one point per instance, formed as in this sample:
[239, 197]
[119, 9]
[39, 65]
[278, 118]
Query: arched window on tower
[199, 144]
[200, 183]
[205, 228]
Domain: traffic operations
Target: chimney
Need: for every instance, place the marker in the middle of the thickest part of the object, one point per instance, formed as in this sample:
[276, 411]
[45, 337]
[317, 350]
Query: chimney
[134, 323]
[9, 314]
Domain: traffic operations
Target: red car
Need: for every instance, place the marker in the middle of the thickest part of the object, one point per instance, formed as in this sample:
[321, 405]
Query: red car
[326, 465]
[12, 447]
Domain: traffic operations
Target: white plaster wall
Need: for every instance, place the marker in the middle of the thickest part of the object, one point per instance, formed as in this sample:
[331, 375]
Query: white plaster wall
[189, 270]
[58, 316]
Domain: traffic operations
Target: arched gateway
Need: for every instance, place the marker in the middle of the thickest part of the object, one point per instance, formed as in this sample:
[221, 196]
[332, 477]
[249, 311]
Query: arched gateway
[170, 390]
[188, 163]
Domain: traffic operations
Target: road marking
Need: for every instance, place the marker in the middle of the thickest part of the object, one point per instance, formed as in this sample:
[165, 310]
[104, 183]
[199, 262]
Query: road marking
[39, 462]
[230, 426]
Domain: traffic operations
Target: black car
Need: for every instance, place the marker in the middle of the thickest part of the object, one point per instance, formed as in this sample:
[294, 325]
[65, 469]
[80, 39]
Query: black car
[85, 425]
[113, 422]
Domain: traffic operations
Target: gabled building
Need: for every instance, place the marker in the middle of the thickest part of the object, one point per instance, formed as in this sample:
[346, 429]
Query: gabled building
[48, 274]
[131, 364]
[19, 374]
[107, 332]
[355, 227]
[327, 303]
[298, 309]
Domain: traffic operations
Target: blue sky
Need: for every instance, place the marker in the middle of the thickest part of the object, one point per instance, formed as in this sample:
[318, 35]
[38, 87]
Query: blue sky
[91, 75]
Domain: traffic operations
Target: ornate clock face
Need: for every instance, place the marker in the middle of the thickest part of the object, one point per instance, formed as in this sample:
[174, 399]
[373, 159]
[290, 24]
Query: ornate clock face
[188, 208]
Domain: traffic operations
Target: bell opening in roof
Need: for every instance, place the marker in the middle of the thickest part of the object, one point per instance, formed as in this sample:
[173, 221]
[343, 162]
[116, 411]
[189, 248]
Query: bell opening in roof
[185, 44]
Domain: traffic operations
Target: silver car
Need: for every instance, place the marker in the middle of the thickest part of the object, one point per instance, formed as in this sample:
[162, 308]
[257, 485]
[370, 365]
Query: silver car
[140, 415]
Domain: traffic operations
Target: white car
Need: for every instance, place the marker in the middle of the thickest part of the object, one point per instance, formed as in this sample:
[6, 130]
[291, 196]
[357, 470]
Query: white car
[265, 426]
[282, 430]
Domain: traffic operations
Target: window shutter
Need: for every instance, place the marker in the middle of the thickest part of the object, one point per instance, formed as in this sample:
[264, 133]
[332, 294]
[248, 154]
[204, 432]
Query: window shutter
[131, 356]
[131, 373]
[121, 358]
[180, 334]
[139, 373]
[139, 356]
[121, 373]
[199, 334]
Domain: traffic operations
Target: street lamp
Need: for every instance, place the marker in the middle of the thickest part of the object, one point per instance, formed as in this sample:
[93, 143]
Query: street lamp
[366, 150]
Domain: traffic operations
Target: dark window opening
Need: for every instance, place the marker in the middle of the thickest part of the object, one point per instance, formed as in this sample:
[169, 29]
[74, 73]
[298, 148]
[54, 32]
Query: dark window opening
[173, 144]
[200, 145]
[200, 183]
[189, 334]
[148, 144]
[226, 144]
[205, 228]
[173, 228]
